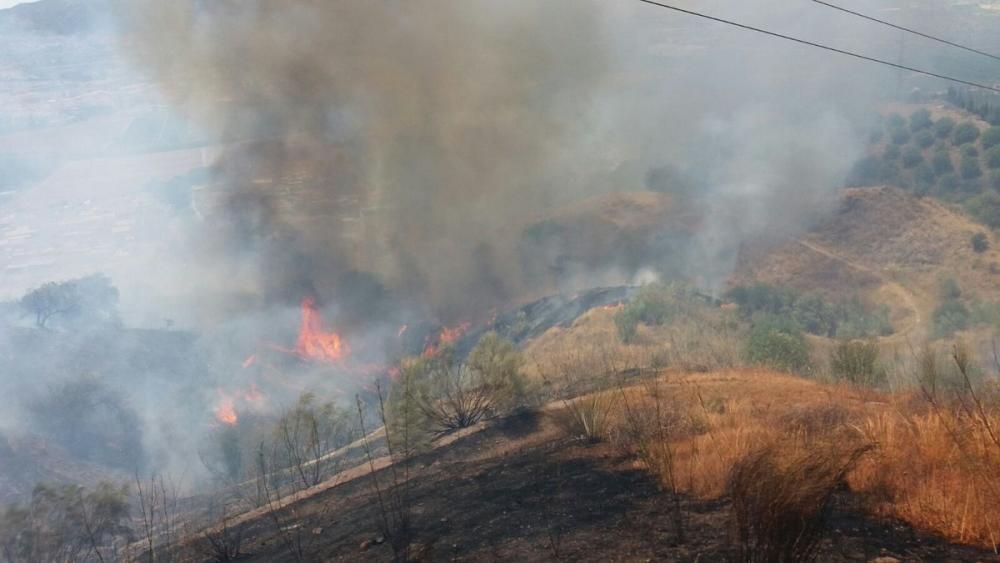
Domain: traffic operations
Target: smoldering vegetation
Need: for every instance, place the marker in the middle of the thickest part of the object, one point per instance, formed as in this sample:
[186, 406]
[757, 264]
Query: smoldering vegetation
[406, 167]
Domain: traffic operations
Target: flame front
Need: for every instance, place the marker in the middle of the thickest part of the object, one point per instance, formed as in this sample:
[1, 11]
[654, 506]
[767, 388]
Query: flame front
[314, 342]
[447, 336]
[225, 410]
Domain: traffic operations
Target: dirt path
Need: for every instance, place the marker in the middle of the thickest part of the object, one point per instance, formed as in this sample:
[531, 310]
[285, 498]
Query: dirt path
[905, 295]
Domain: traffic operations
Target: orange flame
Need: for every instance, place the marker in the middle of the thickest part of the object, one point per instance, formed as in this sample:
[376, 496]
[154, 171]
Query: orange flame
[445, 337]
[225, 410]
[254, 396]
[250, 361]
[314, 342]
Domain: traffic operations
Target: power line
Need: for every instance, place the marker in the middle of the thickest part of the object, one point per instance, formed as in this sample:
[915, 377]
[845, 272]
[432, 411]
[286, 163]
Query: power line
[907, 30]
[821, 46]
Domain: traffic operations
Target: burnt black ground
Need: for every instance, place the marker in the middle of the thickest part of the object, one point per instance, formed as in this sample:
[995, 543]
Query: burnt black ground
[519, 491]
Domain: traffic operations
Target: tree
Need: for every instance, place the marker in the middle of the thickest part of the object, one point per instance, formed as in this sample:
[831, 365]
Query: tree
[911, 157]
[900, 136]
[942, 162]
[924, 139]
[991, 138]
[92, 421]
[943, 127]
[920, 119]
[970, 168]
[92, 297]
[965, 132]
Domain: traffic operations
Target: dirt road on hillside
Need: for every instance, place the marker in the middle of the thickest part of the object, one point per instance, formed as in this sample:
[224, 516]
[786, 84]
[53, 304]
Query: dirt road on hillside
[907, 297]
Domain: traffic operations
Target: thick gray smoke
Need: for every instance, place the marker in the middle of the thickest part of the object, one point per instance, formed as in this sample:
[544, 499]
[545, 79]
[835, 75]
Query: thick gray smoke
[407, 139]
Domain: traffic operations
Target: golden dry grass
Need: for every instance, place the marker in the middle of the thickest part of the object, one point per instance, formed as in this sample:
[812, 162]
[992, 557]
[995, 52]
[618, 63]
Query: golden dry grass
[933, 464]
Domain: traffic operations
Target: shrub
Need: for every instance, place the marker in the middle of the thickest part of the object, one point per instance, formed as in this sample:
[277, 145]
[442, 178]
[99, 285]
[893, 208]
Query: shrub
[911, 157]
[307, 432]
[950, 317]
[920, 120]
[942, 162]
[857, 362]
[943, 127]
[995, 179]
[779, 344]
[985, 208]
[781, 500]
[970, 150]
[965, 132]
[980, 243]
[969, 168]
[991, 138]
[440, 394]
[655, 305]
[949, 290]
[924, 139]
[588, 417]
[849, 318]
[900, 136]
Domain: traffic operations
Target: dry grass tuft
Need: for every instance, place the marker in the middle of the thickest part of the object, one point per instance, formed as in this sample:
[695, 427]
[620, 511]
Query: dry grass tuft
[781, 498]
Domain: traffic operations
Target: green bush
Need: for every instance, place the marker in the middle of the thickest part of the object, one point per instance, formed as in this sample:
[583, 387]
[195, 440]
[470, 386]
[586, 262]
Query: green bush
[655, 305]
[942, 163]
[857, 362]
[950, 317]
[943, 127]
[920, 120]
[811, 312]
[900, 136]
[891, 152]
[924, 139]
[779, 344]
[970, 168]
[991, 138]
[911, 157]
[965, 132]
[995, 179]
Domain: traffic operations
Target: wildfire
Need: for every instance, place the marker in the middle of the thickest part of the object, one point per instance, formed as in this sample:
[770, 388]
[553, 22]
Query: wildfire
[447, 336]
[315, 342]
[250, 361]
[225, 410]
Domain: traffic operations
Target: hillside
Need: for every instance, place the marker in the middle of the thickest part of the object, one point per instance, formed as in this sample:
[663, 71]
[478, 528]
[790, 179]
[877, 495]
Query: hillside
[888, 244]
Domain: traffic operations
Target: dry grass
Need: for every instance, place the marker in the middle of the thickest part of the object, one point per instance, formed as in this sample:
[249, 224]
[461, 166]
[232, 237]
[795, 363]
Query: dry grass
[934, 463]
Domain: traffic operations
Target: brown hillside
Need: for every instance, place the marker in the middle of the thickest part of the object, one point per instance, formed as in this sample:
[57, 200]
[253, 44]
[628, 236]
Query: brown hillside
[885, 244]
